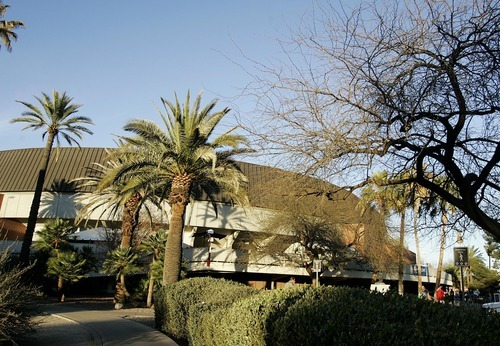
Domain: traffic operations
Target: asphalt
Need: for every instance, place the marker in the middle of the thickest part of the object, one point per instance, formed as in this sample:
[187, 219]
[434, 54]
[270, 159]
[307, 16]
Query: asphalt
[81, 325]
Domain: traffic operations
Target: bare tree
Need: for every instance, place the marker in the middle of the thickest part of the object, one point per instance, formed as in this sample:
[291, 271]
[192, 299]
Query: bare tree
[396, 86]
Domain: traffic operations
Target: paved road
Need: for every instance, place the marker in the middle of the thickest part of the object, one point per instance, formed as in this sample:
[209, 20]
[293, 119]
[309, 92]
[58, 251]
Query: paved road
[67, 325]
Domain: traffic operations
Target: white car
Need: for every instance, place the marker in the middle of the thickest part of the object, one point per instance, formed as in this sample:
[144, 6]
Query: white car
[492, 306]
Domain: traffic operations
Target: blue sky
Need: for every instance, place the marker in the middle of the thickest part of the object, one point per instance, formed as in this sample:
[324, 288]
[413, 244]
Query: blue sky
[117, 58]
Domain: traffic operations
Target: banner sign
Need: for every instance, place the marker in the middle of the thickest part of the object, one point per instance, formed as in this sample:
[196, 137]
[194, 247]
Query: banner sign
[423, 270]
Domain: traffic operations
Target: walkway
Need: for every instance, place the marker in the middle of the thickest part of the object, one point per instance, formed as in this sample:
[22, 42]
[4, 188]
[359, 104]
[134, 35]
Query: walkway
[75, 324]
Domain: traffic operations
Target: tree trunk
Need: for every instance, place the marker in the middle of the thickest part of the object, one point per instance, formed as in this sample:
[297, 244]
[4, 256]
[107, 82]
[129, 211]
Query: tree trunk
[130, 220]
[178, 199]
[149, 299]
[119, 297]
[401, 263]
[442, 244]
[417, 247]
[121, 293]
[60, 289]
[35, 204]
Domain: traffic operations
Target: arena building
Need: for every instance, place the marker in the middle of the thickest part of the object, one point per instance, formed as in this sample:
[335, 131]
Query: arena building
[221, 244]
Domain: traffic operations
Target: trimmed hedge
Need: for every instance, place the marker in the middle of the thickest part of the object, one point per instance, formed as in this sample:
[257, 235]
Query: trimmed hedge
[250, 321]
[208, 311]
[175, 304]
[347, 316]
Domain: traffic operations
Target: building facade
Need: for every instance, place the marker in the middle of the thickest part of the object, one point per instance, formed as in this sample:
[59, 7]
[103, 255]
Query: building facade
[215, 242]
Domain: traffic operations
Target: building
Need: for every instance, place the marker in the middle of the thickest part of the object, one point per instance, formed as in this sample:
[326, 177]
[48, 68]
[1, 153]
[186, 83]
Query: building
[218, 244]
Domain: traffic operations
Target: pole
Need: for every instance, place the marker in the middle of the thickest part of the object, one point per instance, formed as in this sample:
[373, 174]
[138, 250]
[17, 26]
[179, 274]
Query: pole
[461, 282]
[317, 279]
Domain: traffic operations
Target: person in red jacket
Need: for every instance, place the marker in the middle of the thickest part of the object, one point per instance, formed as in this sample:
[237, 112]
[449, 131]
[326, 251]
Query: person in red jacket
[440, 295]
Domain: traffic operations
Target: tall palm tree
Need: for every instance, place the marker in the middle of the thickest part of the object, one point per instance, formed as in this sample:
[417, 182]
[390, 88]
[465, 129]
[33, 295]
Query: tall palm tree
[399, 205]
[57, 118]
[417, 194]
[7, 34]
[185, 158]
[375, 196]
[437, 206]
[492, 248]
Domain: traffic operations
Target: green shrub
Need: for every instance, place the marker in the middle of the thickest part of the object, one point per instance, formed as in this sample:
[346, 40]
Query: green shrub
[250, 321]
[347, 316]
[173, 303]
[208, 311]
[201, 324]
[18, 300]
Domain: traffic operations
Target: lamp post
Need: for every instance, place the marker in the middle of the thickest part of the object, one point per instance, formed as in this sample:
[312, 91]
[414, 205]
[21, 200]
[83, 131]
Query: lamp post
[210, 239]
[461, 259]
[317, 269]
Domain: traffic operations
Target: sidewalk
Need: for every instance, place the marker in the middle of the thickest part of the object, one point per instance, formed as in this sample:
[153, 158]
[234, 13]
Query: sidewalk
[84, 324]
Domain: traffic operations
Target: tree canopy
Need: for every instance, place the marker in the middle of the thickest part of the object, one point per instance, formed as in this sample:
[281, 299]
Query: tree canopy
[392, 85]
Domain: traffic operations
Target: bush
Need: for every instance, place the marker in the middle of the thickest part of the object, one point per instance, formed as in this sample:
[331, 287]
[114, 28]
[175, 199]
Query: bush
[348, 316]
[17, 300]
[251, 321]
[175, 303]
[208, 311]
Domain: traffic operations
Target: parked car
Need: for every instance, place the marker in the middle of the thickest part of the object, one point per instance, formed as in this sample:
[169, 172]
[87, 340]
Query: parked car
[494, 307]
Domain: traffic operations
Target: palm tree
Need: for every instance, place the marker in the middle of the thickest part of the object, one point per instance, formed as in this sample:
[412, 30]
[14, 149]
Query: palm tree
[121, 262]
[57, 118]
[391, 199]
[181, 160]
[446, 209]
[7, 34]
[154, 246]
[67, 267]
[66, 264]
[416, 196]
[399, 205]
[492, 248]
[109, 197]
[375, 197]
[54, 236]
[438, 206]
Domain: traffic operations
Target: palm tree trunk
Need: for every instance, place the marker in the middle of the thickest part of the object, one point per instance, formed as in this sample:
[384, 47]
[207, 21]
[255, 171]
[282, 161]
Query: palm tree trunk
[173, 247]
[442, 243]
[130, 220]
[401, 263]
[178, 199]
[35, 204]
[149, 299]
[417, 246]
[60, 289]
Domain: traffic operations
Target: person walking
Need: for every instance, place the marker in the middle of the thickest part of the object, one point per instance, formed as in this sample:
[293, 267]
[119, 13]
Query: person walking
[425, 294]
[440, 294]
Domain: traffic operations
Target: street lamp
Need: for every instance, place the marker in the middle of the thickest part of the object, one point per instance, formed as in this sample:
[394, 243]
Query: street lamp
[461, 259]
[317, 269]
[210, 240]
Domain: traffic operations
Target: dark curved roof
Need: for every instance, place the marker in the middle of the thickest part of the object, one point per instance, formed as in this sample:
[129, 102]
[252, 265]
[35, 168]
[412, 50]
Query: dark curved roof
[267, 186]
